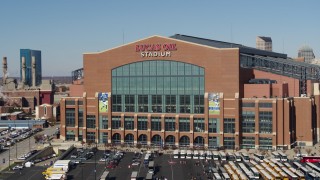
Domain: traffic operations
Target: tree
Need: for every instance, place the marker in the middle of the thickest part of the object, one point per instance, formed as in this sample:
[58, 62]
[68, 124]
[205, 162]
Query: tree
[38, 137]
[138, 146]
[308, 151]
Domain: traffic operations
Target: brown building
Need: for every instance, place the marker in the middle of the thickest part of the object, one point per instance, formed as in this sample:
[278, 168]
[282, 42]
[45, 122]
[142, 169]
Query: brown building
[189, 91]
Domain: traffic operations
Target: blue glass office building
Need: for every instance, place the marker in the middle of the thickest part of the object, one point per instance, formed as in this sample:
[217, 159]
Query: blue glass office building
[28, 53]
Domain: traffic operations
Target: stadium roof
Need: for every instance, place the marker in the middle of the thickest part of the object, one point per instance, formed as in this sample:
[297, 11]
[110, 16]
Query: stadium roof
[221, 44]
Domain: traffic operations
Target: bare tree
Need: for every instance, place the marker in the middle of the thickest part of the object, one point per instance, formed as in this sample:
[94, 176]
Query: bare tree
[308, 151]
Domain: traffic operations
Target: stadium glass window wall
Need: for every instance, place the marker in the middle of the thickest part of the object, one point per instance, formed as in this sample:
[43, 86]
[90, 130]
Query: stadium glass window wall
[158, 87]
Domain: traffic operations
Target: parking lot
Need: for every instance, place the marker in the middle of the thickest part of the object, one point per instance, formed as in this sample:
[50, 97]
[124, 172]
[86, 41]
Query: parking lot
[121, 165]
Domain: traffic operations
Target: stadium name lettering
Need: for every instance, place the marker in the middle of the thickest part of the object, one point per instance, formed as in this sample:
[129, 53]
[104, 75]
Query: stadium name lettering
[156, 50]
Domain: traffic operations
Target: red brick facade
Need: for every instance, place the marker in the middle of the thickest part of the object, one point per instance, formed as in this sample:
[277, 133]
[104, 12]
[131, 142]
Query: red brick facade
[222, 75]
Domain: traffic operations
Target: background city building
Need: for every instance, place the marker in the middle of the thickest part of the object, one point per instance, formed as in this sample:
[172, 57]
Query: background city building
[307, 53]
[264, 43]
[187, 91]
[19, 96]
[28, 54]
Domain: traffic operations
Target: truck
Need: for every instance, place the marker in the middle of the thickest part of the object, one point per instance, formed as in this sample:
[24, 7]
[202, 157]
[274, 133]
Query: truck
[64, 164]
[28, 164]
[56, 177]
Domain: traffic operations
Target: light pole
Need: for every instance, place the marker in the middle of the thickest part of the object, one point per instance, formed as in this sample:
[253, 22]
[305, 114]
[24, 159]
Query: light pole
[95, 163]
[29, 135]
[16, 141]
[105, 159]
[9, 157]
[300, 138]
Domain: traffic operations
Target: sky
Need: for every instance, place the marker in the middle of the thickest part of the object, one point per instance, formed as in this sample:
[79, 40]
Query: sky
[64, 30]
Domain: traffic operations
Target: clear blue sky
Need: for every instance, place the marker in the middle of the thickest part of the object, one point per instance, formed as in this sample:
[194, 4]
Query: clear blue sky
[65, 29]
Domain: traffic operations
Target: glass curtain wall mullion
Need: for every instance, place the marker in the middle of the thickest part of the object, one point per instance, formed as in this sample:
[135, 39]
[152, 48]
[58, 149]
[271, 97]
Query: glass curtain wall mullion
[129, 122]
[91, 121]
[198, 125]
[229, 125]
[265, 122]
[248, 122]
[142, 123]
[70, 117]
[155, 123]
[214, 124]
[184, 124]
[158, 78]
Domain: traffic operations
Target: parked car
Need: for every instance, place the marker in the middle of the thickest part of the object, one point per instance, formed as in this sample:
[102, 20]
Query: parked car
[135, 163]
[18, 167]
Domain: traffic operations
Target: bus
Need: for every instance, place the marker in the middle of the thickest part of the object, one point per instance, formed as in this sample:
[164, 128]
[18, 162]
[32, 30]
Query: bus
[245, 157]
[202, 155]
[287, 165]
[267, 161]
[283, 156]
[183, 154]
[255, 172]
[283, 175]
[226, 176]
[176, 154]
[265, 175]
[290, 174]
[222, 156]
[253, 163]
[314, 167]
[195, 154]
[246, 171]
[276, 155]
[274, 174]
[304, 170]
[209, 155]
[297, 164]
[189, 154]
[230, 156]
[311, 159]
[313, 175]
[300, 175]
[215, 155]
[279, 164]
[238, 156]
[217, 176]
[258, 157]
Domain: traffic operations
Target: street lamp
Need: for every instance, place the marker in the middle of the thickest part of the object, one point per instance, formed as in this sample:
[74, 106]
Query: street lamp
[29, 135]
[95, 163]
[105, 159]
[300, 138]
[9, 157]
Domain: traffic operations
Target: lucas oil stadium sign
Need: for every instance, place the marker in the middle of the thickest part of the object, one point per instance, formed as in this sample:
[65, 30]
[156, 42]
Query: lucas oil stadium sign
[156, 50]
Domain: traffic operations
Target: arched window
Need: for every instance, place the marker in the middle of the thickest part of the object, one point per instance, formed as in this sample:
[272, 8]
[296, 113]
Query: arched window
[116, 138]
[199, 141]
[156, 140]
[142, 139]
[129, 139]
[170, 140]
[184, 141]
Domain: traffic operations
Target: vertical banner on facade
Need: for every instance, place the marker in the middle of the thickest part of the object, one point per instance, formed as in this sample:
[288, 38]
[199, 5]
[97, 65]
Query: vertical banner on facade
[103, 102]
[214, 103]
